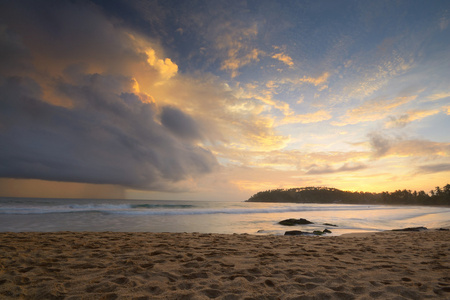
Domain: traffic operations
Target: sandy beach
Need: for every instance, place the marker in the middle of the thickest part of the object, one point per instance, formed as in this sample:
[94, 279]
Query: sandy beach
[111, 265]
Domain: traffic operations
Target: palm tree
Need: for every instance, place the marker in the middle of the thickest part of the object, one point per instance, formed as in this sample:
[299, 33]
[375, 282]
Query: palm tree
[438, 191]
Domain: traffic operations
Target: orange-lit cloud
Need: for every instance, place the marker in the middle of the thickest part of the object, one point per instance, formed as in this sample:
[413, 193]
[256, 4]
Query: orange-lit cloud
[236, 44]
[438, 96]
[165, 67]
[286, 59]
[318, 116]
[446, 109]
[316, 80]
[372, 110]
[320, 80]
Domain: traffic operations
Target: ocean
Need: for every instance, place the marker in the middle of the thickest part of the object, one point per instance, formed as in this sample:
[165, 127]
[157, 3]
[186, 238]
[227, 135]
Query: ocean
[45, 215]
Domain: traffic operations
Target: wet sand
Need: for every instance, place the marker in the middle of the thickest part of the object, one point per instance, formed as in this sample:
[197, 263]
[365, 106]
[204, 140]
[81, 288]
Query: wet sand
[112, 265]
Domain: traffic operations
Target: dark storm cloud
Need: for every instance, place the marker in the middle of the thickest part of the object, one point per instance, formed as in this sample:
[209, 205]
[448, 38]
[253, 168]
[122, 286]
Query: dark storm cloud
[179, 123]
[107, 137]
[70, 109]
[13, 54]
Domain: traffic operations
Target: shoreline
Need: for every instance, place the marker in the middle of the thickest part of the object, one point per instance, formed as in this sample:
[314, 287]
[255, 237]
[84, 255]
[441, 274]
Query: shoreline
[118, 265]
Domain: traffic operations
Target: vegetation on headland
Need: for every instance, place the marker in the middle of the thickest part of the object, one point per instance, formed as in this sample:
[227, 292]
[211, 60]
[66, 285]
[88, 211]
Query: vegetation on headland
[438, 196]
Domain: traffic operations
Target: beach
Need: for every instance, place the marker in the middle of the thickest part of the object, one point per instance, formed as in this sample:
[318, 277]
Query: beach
[120, 265]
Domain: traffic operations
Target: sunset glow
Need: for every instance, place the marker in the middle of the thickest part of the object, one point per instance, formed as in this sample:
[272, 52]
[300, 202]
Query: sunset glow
[217, 100]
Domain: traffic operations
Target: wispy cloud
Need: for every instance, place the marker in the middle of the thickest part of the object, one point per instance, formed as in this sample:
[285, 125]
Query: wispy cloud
[384, 145]
[438, 96]
[372, 110]
[237, 58]
[410, 116]
[446, 109]
[434, 168]
[327, 169]
[318, 116]
[236, 46]
[444, 20]
[320, 80]
[286, 59]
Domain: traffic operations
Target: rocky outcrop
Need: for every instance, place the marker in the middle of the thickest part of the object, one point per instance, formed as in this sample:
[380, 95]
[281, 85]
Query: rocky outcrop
[292, 222]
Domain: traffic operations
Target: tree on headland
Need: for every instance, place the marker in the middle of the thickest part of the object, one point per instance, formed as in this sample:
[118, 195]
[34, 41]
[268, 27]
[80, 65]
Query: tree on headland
[331, 195]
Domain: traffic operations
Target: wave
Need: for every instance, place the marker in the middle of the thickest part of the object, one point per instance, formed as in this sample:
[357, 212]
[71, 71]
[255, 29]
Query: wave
[83, 208]
[172, 209]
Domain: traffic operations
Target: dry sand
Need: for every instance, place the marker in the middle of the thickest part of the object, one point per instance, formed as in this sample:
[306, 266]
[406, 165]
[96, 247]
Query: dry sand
[68, 265]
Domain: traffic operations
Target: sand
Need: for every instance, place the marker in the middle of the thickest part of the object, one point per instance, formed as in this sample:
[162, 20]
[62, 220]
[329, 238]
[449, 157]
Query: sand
[111, 265]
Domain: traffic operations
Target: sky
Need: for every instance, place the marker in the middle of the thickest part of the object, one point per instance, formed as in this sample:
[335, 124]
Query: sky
[217, 100]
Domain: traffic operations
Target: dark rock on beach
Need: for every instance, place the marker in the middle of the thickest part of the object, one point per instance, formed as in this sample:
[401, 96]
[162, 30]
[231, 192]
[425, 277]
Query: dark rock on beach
[292, 222]
[328, 224]
[298, 232]
[293, 232]
[411, 229]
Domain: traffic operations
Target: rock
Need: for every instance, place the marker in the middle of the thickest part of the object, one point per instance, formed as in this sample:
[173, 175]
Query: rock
[317, 232]
[293, 232]
[411, 229]
[328, 224]
[292, 222]
[443, 229]
[326, 231]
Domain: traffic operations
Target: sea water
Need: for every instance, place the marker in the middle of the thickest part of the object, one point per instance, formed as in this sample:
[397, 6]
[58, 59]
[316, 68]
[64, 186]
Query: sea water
[25, 214]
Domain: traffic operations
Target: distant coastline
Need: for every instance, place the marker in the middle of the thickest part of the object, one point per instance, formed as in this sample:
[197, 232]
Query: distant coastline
[438, 196]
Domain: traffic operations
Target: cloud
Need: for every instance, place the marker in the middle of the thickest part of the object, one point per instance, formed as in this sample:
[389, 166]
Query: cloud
[266, 93]
[438, 96]
[320, 80]
[410, 116]
[292, 160]
[114, 138]
[444, 20]
[316, 80]
[77, 106]
[166, 67]
[372, 110]
[227, 117]
[435, 168]
[14, 56]
[380, 144]
[318, 116]
[384, 145]
[286, 59]
[233, 42]
[238, 57]
[446, 109]
[180, 124]
[347, 167]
